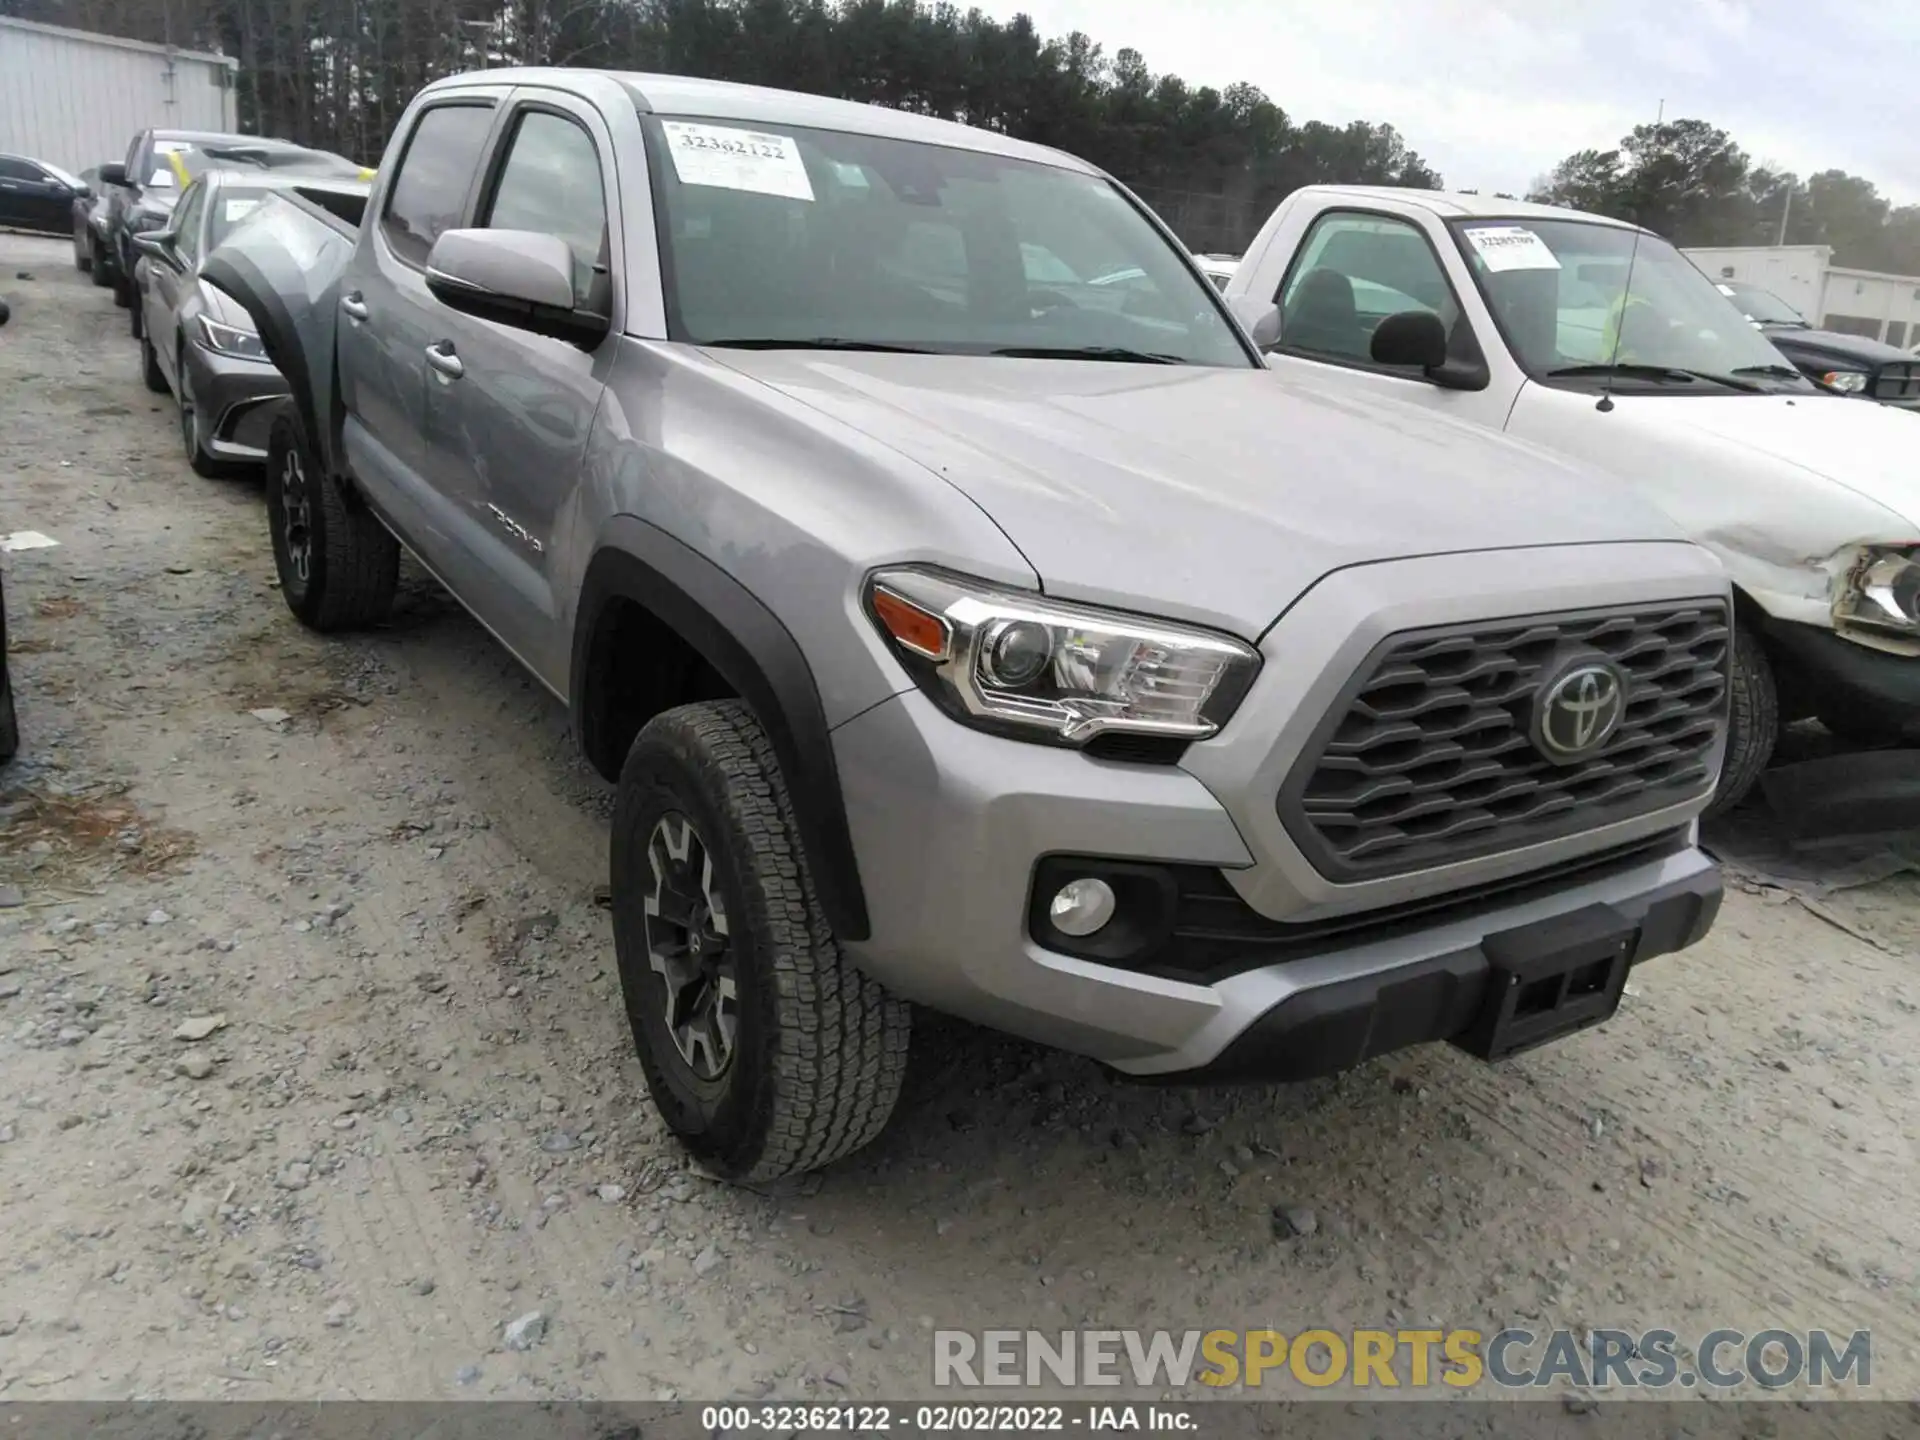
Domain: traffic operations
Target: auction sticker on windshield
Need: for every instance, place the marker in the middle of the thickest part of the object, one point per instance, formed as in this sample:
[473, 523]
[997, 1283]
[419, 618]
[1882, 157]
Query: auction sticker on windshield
[1511, 247]
[733, 159]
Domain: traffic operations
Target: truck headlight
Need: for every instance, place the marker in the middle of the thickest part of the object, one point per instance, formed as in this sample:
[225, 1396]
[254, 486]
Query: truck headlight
[1850, 382]
[1038, 669]
[1882, 590]
[226, 340]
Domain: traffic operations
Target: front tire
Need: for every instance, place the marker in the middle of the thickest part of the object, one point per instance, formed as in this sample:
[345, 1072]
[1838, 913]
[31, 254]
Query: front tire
[766, 1051]
[338, 565]
[96, 266]
[1753, 724]
[150, 373]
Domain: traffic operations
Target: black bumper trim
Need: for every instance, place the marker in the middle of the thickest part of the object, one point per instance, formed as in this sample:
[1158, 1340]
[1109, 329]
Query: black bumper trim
[1335, 1027]
[1826, 671]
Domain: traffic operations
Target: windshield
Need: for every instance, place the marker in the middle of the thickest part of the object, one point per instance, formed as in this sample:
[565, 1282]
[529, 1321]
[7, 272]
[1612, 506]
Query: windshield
[817, 238]
[1558, 289]
[231, 205]
[1761, 306]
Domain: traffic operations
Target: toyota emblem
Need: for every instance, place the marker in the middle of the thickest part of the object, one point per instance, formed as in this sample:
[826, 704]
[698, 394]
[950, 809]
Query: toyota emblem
[1578, 711]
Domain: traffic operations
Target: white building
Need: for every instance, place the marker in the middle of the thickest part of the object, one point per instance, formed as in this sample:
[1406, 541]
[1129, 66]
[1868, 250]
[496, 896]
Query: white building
[1855, 302]
[74, 98]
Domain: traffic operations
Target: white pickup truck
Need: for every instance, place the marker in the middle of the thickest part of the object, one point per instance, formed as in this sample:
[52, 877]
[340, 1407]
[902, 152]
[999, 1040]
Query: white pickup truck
[1596, 339]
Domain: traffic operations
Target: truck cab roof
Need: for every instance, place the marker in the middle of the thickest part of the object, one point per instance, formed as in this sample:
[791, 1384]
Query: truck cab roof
[1456, 205]
[725, 99]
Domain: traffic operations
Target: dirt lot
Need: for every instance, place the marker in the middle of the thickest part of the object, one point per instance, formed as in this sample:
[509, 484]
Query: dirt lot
[363, 873]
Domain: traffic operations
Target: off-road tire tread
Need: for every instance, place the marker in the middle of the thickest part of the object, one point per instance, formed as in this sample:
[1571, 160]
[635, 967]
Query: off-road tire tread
[840, 1039]
[1753, 721]
[356, 560]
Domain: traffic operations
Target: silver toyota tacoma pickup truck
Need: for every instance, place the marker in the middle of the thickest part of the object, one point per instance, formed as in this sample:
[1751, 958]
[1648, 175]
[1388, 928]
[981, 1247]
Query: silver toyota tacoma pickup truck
[915, 538]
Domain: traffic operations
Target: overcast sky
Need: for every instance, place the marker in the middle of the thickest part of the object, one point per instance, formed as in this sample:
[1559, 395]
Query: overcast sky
[1494, 92]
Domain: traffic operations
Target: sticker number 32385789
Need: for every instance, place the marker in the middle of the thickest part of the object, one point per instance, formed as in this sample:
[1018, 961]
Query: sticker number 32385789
[734, 159]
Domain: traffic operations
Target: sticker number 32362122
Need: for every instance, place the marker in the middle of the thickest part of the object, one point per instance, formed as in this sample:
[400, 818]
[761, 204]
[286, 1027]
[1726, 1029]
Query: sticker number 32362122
[733, 159]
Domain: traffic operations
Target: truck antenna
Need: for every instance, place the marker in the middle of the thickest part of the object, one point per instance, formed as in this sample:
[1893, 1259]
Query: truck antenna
[1626, 294]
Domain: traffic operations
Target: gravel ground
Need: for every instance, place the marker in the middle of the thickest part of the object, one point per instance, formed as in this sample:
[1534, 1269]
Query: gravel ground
[314, 1080]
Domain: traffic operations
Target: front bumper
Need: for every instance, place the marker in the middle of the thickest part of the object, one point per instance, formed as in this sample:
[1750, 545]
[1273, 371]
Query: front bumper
[1826, 673]
[236, 400]
[951, 825]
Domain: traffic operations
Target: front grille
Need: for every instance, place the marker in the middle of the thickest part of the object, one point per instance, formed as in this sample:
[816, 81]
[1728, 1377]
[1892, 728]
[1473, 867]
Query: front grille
[1426, 758]
[1899, 383]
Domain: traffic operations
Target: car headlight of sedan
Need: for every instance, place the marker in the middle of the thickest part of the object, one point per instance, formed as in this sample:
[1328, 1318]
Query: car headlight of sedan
[228, 340]
[1023, 665]
[1848, 382]
[1882, 590]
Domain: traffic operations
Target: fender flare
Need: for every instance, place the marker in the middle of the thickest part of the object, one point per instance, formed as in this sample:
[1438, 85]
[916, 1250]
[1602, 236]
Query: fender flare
[240, 278]
[758, 657]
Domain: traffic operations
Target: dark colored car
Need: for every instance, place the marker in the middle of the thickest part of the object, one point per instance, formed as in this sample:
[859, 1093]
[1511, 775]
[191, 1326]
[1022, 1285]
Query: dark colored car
[35, 195]
[198, 342]
[160, 164]
[1849, 364]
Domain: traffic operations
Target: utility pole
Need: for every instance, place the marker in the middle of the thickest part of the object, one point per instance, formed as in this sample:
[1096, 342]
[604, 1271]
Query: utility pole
[1785, 210]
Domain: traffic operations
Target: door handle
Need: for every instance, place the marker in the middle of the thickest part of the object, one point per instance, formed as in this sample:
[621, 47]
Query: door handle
[441, 357]
[355, 307]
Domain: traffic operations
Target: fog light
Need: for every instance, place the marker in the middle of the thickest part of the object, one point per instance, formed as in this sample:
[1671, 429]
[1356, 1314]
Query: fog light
[1081, 907]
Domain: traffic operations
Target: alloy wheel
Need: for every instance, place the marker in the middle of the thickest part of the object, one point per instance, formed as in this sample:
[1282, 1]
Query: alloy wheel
[688, 947]
[296, 515]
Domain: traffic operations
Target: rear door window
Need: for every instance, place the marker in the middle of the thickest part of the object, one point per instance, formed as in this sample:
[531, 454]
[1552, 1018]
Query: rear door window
[429, 193]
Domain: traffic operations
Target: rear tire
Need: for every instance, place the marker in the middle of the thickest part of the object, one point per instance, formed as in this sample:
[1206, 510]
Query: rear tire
[1753, 724]
[150, 373]
[713, 903]
[96, 266]
[338, 565]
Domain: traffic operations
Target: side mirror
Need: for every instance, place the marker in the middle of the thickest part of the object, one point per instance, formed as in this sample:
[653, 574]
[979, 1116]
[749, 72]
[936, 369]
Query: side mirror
[153, 242]
[521, 278]
[85, 192]
[1260, 317]
[113, 173]
[1413, 337]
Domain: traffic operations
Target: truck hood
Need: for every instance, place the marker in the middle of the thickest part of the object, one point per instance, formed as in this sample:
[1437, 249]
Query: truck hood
[1873, 353]
[1867, 449]
[1214, 495]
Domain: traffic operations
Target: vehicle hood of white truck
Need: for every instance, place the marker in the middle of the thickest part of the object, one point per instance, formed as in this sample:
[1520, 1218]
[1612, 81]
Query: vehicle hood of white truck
[1192, 484]
[1783, 488]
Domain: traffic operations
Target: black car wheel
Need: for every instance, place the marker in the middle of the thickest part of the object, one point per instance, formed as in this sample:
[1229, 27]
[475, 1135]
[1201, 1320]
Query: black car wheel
[134, 325]
[338, 565]
[82, 256]
[1753, 722]
[122, 292]
[150, 372]
[192, 438]
[97, 263]
[765, 1050]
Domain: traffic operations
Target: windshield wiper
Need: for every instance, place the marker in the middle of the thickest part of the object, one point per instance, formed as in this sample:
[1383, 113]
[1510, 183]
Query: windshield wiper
[826, 342]
[1785, 372]
[1655, 372]
[1087, 352]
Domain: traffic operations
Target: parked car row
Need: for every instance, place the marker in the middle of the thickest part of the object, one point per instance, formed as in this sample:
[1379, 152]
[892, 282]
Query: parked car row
[143, 227]
[1224, 668]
